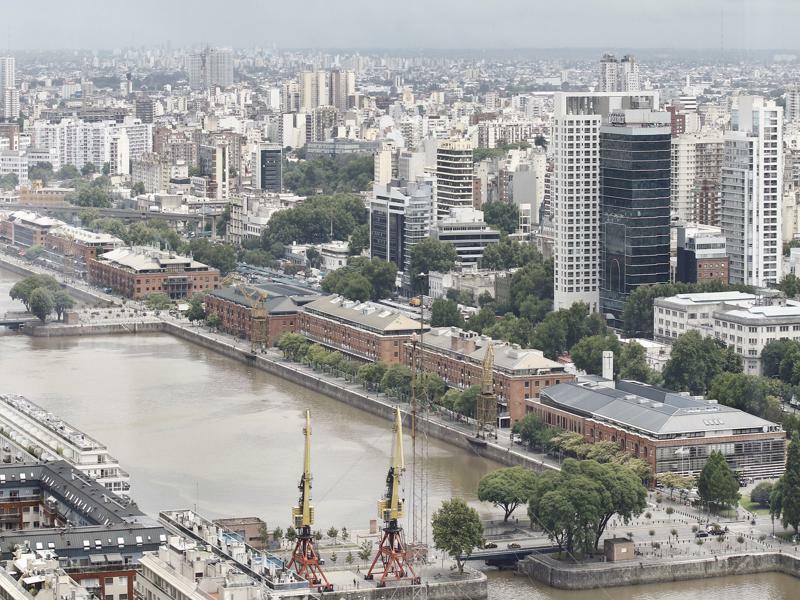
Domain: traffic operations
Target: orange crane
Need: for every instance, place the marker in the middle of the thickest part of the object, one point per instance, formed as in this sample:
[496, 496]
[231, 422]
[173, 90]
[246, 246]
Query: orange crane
[305, 557]
[391, 560]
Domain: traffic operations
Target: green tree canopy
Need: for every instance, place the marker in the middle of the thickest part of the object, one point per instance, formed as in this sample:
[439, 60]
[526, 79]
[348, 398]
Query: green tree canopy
[587, 354]
[42, 303]
[318, 220]
[362, 279]
[445, 313]
[717, 485]
[62, 302]
[508, 254]
[457, 530]
[329, 175]
[785, 498]
[157, 301]
[502, 216]
[431, 255]
[761, 493]
[507, 488]
[695, 362]
[23, 288]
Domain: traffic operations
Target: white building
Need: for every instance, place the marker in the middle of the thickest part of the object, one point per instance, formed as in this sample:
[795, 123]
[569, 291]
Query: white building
[618, 75]
[14, 162]
[210, 68]
[695, 179]
[744, 322]
[9, 95]
[752, 192]
[466, 229]
[576, 189]
[454, 176]
[334, 255]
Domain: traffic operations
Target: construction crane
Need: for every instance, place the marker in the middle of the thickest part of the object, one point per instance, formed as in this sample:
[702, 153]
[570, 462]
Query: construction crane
[486, 408]
[391, 560]
[305, 558]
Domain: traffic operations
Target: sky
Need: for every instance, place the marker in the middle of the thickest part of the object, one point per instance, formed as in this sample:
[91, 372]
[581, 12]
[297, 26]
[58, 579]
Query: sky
[412, 24]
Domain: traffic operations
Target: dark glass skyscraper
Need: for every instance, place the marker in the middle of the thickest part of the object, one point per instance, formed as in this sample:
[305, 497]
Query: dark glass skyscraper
[268, 174]
[634, 206]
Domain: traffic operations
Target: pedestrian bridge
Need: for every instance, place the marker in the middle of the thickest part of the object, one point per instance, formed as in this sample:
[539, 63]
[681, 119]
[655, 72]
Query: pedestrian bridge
[504, 557]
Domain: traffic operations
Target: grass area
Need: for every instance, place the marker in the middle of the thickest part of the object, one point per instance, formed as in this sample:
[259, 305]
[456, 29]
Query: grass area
[751, 506]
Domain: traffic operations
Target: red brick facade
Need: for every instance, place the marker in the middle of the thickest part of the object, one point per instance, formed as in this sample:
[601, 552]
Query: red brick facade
[176, 284]
[236, 319]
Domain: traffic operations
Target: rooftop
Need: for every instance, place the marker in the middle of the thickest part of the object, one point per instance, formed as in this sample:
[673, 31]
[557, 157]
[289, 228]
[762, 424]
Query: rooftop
[701, 299]
[149, 259]
[280, 298]
[653, 411]
[364, 314]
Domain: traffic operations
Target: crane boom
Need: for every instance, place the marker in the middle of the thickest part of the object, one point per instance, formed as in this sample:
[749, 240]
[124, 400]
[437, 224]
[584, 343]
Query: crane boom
[303, 513]
[390, 507]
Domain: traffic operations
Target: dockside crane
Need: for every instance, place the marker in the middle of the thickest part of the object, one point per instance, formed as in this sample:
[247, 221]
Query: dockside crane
[305, 558]
[487, 401]
[391, 560]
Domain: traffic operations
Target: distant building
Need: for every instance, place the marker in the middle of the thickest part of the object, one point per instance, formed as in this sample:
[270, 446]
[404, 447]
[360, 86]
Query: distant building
[138, 271]
[454, 176]
[9, 95]
[671, 432]
[468, 232]
[634, 206]
[618, 75]
[696, 178]
[268, 168]
[702, 254]
[145, 109]
[209, 68]
[400, 216]
[362, 330]
[334, 255]
[752, 192]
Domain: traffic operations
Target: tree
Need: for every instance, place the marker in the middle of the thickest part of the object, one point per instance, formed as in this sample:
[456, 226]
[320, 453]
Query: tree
[750, 393]
[196, 312]
[534, 432]
[137, 189]
[508, 254]
[397, 379]
[717, 485]
[786, 497]
[773, 355]
[365, 550]
[481, 320]
[431, 255]
[328, 175]
[62, 302]
[362, 279]
[445, 313]
[218, 255]
[293, 345]
[213, 321]
[291, 534]
[333, 533]
[550, 336]
[23, 288]
[790, 285]
[761, 493]
[431, 387]
[319, 219]
[587, 354]
[157, 301]
[457, 530]
[41, 303]
[507, 488]
[632, 363]
[674, 481]
[371, 374]
[9, 181]
[502, 216]
[277, 534]
[359, 239]
[42, 171]
[67, 172]
[88, 169]
[466, 401]
[695, 361]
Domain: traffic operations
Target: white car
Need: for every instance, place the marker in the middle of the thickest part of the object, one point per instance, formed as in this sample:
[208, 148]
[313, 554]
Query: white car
[516, 438]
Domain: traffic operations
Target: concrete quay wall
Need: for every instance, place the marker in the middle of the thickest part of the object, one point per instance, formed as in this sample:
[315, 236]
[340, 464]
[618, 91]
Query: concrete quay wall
[549, 571]
[354, 397]
[53, 330]
[473, 588]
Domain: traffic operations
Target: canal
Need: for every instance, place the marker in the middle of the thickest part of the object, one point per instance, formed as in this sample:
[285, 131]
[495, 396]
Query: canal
[198, 429]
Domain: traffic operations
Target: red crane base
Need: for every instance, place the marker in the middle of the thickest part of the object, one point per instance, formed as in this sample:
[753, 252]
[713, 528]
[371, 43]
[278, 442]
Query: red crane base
[392, 557]
[305, 561]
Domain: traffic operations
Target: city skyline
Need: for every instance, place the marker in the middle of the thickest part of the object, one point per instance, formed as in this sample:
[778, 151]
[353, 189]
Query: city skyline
[723, 24]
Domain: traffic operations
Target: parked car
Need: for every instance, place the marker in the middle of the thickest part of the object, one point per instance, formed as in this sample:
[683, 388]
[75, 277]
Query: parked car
[516, 438]
[489, 545]
[514, 546]
[701, 534]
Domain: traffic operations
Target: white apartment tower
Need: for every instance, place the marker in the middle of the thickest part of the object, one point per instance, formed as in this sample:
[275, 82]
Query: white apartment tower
[575, 189]
[210, 68]
[9, 95]
[454, 176]
[792, 113]
[696, 174]
[618, 75]
[752, 191]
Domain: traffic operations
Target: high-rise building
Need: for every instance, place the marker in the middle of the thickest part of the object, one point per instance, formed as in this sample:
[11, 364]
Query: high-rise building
[469, 233]
[618, 75]
[575, 189]
[752, 191]
[9, 95]
[792, 111]
[634, 205]
[210, 68]
[313, 89]
[454, 176]
[268, 168]
[145, 109]
[696, 177]
[213, 160]
[342, 86]
[400, 216]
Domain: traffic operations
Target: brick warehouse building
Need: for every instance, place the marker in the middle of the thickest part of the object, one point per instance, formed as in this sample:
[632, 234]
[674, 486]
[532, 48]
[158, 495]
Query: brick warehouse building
[363, 330]
[138, 271]
[233, 306]
[519, 374]
[670, 431]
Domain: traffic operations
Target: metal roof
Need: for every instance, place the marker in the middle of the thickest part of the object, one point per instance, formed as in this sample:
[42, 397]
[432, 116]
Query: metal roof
[367, 315]
[651, 410]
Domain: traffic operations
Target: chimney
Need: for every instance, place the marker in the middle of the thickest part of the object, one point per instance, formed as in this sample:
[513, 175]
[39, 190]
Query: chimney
[608, 365]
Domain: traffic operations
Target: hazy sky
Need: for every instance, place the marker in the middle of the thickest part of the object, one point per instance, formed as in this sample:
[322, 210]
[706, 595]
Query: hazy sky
[749, 24]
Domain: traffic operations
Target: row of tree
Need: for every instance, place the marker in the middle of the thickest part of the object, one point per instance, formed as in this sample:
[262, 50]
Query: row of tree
[362, 279]
[42, 295]
[329, 175]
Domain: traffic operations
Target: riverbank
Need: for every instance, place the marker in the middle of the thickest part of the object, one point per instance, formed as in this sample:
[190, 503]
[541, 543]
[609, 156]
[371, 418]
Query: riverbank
[566, 576]
[79, 292]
